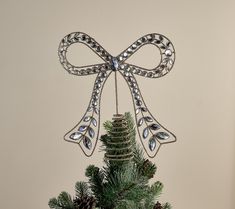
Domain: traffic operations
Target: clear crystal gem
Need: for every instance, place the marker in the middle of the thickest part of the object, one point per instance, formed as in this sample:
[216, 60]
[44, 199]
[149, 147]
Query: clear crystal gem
[162, 135]
[138, 102]
[152, 144]
[75, 136]
[134, 46]
[148, 119]
[168, 52]
[145, 132]
[154, 126]
[82, 128]
[91, 132]
[125, 54]
[94, 122]
[140, 122]
[87, 118]
[87, 143]
[115, 64]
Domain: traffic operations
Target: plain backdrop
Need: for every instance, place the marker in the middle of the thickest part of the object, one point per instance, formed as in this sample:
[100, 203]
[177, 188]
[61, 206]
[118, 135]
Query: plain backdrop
[40, 101]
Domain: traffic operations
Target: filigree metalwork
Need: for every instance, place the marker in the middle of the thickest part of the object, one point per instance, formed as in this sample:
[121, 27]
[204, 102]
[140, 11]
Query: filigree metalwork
[151, 132]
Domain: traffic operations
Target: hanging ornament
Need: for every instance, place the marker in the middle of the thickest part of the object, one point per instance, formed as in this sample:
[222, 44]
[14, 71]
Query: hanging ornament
[151, 132]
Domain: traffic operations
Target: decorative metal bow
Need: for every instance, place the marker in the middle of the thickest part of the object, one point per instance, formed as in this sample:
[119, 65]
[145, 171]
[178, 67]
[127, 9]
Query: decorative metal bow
[86, 132]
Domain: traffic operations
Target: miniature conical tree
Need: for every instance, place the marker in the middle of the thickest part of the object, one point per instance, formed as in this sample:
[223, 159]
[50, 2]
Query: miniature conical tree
[123, 182]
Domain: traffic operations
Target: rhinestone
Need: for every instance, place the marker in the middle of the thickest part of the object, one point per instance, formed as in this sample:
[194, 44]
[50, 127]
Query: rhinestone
[137, 71]
[168, 52]
[129, 50]
[143, 39]
[120, 58]
[75, 136]
[87, 118]
[104, 74]
[137, 111]
[125, 54]
[91, 132]
[100, 80]
[133, 46]
[122, 67]
[145, 132]
[152, 144]
[94, 103]
[137, 97]
[135, 90]
[83, 37]
[144, 109]
[89, 40]
[162, 135]
[139, 42]
[127, 74]
[148, 119]
[150, 38]
[138, 103]
[150, 74]
[98, 85]
[170, 61]
[82, 128]
[87, 143]
[114, 63]
[140, 122]
[143, 73]
[93, 45]
[94, 122]
[96, 110]
[154, 126]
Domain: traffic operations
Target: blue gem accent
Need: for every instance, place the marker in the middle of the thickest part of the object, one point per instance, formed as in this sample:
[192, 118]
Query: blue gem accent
[114, 63]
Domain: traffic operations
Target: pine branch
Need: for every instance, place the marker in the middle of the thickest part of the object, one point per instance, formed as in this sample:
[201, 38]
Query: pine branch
[64, 201]
[82, 189]
[167, 206]
[96, 181]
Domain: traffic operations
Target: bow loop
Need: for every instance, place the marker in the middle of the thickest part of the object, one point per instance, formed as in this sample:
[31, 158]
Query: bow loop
[79, 37]
[165, 47]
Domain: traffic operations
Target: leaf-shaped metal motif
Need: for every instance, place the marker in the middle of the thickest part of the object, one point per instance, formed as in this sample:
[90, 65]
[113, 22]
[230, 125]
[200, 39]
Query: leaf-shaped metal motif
[82, 128]
[87, 142]
[94, 121]
[87, 118]
[152, 143]
[162, 135]
[75, 136]
[154, 126]
[140, 122]
[148, 119]
[145, 132]
[91, 132]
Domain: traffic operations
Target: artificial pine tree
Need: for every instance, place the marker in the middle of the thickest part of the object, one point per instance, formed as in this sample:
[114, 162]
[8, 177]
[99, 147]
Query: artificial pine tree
[123, 183]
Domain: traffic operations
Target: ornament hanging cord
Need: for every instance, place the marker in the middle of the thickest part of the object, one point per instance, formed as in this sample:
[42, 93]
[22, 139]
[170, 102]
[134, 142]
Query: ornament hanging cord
[116, 91]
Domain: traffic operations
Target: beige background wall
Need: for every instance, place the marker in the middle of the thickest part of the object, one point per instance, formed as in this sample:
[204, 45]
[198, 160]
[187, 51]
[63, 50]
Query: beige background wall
[40, 101]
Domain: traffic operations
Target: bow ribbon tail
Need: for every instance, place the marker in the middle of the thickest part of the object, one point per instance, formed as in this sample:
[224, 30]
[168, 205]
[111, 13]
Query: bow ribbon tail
[86, 132]
[152, 134]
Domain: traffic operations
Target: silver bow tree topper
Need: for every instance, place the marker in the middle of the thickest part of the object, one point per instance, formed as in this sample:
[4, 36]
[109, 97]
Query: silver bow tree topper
[152, 134]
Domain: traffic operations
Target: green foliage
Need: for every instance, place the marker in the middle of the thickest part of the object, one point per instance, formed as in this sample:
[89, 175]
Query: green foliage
[82, 189]
[64, 201]
[123, 181]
